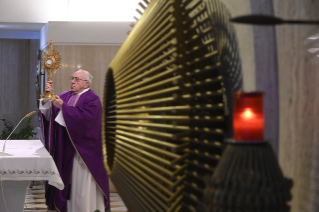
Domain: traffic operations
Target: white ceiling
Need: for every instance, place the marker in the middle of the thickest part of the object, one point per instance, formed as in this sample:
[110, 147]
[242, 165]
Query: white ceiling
[31, 15]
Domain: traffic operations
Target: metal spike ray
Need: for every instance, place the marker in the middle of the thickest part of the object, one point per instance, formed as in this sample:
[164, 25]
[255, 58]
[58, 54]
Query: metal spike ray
[163, 117]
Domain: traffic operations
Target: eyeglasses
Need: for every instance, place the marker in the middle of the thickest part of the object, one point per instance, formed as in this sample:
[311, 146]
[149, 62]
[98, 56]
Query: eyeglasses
[76, 79]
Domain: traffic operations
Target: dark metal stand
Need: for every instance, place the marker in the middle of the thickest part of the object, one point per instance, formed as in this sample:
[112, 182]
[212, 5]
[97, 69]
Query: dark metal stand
[247, 179]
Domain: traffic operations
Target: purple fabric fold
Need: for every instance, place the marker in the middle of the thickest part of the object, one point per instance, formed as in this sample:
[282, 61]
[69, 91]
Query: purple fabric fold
[82, 134]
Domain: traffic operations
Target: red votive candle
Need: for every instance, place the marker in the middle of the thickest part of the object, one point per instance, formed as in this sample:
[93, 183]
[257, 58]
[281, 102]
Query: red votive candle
[248, 117]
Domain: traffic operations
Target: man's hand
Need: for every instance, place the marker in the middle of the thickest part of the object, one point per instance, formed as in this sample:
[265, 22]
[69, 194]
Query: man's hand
[58, 102]
[49, 87]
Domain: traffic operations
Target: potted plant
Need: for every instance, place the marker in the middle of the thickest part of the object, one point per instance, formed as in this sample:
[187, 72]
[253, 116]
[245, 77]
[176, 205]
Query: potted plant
[25, 133]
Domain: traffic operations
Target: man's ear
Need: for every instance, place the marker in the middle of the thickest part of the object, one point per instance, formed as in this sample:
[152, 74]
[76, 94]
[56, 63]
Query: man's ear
[87, 84]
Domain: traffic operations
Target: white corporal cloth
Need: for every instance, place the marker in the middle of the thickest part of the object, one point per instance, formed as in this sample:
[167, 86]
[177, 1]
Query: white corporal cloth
[85, 194]
[30, 161]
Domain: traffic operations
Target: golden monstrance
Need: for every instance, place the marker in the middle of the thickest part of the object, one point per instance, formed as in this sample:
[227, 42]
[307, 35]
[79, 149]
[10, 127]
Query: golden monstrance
[51, 63]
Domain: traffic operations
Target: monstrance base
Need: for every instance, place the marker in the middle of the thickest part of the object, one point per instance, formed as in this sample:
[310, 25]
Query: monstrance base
[48, 95]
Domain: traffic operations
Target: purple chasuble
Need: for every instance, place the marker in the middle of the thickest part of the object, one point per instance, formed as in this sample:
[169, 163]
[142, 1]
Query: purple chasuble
[83, 134]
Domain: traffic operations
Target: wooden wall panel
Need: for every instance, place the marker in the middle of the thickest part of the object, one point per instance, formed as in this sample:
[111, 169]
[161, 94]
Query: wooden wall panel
[95, 59]
[299, 103]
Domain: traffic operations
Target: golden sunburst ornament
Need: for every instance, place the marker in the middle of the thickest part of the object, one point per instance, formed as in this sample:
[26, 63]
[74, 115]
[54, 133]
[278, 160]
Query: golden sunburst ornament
[51, 63]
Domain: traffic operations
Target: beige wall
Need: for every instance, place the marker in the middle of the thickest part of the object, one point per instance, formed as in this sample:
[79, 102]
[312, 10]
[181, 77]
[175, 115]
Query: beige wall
[85, 33]
[95, 59]
[299, 103]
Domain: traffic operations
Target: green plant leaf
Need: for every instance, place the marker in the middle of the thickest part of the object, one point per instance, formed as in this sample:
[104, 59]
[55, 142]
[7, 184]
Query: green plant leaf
[25, 133]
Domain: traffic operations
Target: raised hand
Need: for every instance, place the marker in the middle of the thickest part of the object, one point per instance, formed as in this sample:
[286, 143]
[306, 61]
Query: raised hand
[49, 87]
[58, 102]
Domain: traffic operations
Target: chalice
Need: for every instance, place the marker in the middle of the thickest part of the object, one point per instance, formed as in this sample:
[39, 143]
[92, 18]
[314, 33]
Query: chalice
[51, 63]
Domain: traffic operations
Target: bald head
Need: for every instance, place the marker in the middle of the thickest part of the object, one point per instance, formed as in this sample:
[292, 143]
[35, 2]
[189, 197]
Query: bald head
[87, 74]
[81, 81]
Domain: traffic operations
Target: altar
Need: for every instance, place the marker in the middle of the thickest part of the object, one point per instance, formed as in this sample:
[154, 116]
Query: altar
[30, 162]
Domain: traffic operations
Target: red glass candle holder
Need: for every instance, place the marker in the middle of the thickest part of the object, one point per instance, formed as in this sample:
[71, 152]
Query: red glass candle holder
[248, 117]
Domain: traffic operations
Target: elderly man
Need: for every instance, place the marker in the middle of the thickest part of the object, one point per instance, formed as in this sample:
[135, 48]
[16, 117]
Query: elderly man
[72, 133]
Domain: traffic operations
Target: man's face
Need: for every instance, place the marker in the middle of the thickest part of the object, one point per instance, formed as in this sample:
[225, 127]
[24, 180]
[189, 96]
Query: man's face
[78, 87]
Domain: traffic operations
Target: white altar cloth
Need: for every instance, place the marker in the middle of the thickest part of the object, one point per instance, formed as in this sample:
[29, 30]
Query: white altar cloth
[30, 161]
